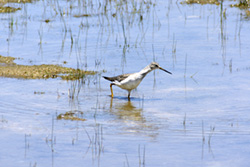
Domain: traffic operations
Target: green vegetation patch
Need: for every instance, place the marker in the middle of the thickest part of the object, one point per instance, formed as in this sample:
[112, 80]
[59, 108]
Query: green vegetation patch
[10, 69]
[70, 116]
[8, 9]
[243, 4]
[7, 60]
[16, 1]
[83, 15]
[202, 2]
[247, 13]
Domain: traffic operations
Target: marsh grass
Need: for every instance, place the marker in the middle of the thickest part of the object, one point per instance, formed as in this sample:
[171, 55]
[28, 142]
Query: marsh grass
[51, 138]
[174, 51]
[184, 121]
[127, 160]
[113, 19]
[3, 120]
[26, 143]
[142, 158]
[203, 133]
[96, 143]
[210, 135]
[231, 65]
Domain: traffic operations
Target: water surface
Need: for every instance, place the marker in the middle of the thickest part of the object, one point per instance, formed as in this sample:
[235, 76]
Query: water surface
[196, 117]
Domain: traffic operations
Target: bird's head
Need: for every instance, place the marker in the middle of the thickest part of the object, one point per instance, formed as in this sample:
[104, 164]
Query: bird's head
[155, 65]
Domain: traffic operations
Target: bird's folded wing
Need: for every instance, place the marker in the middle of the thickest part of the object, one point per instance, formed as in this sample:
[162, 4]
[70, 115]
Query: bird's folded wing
[118, 78]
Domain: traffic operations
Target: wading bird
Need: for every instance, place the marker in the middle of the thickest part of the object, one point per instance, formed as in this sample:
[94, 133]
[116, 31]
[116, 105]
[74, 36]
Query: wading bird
[131, 81]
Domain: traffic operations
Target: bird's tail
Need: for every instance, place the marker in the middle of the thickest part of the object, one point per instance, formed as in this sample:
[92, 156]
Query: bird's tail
[107, 78]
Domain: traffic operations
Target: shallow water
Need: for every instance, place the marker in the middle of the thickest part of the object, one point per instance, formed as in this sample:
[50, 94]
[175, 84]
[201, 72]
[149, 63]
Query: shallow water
[199, 116]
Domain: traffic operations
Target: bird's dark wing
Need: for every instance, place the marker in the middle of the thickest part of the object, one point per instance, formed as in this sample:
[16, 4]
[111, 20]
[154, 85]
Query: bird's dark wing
[118, 78]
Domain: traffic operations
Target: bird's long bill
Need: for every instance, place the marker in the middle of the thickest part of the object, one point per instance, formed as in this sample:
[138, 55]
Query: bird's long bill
[165, 70]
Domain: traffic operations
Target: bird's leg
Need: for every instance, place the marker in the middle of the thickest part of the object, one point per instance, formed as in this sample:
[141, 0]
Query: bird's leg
[112, 95]
[111, 104]
[129, 95]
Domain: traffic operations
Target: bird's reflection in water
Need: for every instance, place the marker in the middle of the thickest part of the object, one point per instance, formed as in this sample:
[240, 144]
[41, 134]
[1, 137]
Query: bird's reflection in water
[132, 117]
[127, 110]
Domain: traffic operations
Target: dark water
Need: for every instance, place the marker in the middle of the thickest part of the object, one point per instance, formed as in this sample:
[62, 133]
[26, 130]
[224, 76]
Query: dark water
[199, 116]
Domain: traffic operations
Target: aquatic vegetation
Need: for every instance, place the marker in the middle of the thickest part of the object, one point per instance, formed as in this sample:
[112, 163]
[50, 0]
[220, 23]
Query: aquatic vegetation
[82, 15]
[16, 1]
[70, 116]
[10, 69]
[47, 20]
[243, 4]
[8, 9]
[39, 93]
[201, 2]
[247, 13]
[7, 60]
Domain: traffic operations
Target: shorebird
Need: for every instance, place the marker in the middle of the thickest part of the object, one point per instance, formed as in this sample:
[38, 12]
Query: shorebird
[131, 81]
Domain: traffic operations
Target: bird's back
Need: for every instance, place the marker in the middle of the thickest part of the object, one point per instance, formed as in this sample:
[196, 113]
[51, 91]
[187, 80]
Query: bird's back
[118, 78]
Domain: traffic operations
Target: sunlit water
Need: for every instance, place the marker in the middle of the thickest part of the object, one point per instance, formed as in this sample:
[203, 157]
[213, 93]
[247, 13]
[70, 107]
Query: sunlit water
[199, 116]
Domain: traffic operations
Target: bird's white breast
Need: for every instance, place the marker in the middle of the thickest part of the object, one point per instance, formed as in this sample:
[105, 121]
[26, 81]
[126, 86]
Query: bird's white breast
[131, 82]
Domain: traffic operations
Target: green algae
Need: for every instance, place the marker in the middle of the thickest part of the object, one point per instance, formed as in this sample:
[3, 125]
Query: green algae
[202, 2]
[12, 70]
[16, 1]
[8, 9]
[247, 14]
[7, 60]
[70, 116]
[243, 4]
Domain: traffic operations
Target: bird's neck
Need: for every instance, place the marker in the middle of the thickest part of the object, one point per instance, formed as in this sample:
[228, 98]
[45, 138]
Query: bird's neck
[145, 71]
